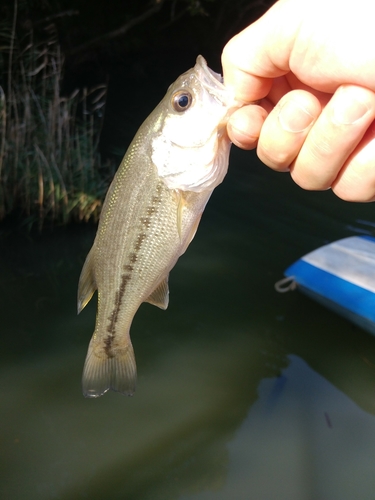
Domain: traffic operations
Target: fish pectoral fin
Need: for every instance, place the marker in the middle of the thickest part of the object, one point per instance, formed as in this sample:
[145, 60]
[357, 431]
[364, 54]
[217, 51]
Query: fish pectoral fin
[180, 197]
[194, 229]
[117, 372]
[86, 285]
[160, 296]
[181, 202]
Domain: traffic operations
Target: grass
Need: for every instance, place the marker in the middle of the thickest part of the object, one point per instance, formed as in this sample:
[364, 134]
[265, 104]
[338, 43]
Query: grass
[50, 168]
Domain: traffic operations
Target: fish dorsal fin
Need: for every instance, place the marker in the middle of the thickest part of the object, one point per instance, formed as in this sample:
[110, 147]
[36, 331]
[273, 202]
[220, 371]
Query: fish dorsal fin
[86, 285]
[160, 296]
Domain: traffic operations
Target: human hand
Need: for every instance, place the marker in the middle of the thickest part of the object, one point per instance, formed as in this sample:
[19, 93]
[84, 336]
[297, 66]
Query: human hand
[311, 67]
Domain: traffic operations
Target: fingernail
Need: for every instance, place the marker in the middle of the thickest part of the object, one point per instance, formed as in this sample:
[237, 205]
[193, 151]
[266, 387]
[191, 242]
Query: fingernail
[294, 118]
[348, 109]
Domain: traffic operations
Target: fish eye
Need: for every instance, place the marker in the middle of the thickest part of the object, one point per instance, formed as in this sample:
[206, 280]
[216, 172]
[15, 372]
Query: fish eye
[181, 100]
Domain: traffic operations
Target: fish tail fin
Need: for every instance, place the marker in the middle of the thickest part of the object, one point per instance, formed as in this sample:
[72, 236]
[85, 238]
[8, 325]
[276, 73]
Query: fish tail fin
[117, 372]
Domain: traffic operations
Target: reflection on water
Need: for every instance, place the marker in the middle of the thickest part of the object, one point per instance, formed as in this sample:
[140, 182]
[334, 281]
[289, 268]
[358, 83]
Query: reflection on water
[303, 446]
[242, 392]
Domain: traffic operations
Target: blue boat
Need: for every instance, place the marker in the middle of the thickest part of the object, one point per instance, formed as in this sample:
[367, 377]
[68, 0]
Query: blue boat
[341, 276]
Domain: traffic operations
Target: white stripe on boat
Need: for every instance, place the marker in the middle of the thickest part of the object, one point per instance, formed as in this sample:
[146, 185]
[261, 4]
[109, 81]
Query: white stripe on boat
[351, 259]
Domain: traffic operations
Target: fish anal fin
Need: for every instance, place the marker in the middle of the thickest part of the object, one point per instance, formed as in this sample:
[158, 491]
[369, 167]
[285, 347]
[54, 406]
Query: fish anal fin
[160, 296]
[117, 372]
[86, 285]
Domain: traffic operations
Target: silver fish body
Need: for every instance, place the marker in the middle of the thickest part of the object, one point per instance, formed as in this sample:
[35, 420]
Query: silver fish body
[150, 215]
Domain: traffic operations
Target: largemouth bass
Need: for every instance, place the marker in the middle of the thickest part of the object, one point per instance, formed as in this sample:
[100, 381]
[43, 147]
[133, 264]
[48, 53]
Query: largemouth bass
[149, 217]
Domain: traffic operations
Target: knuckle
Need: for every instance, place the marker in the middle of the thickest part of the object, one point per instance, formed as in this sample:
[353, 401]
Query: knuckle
[278, 159]
[308, 180]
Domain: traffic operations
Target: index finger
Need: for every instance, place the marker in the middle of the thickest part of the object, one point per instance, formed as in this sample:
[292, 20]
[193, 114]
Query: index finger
[257, 55]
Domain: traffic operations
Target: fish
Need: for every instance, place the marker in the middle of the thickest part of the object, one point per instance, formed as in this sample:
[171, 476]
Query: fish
[149, 217]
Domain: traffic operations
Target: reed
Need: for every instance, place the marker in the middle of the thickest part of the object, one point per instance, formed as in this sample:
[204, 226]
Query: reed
[50, 167]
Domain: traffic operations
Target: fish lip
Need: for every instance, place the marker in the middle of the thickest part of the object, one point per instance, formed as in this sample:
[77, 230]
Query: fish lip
[213, 83]
[207, 75]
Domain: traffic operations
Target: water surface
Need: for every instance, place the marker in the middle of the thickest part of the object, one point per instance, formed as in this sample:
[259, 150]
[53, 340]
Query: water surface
[242, 392]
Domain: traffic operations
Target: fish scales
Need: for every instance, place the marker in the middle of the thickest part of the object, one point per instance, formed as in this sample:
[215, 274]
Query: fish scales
[148, 219]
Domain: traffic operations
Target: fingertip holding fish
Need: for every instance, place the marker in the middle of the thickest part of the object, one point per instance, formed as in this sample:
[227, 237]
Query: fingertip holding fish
[149, 217]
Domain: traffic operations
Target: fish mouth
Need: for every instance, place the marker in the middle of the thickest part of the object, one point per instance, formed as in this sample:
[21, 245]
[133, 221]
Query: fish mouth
[213, 83]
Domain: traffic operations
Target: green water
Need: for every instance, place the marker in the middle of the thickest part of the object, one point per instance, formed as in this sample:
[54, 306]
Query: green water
[243, 393]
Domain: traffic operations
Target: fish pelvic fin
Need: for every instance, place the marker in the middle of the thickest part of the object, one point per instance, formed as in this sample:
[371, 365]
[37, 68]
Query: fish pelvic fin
[117, 372]
[86, 285]
[160, 296]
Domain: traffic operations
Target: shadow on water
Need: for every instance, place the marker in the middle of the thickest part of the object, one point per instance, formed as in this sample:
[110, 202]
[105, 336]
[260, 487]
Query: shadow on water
[242, 392]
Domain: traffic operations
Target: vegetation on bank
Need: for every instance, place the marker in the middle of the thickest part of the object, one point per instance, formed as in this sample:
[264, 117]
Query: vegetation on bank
[50, 167]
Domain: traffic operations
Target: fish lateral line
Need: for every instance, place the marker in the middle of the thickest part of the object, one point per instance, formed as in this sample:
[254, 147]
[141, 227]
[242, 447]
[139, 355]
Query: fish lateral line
[113, 317]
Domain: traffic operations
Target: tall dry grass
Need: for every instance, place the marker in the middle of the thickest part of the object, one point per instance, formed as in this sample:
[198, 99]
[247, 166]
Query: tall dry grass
[49, 162]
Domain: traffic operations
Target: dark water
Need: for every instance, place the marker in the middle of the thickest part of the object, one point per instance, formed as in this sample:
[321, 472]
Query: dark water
[242, 392]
